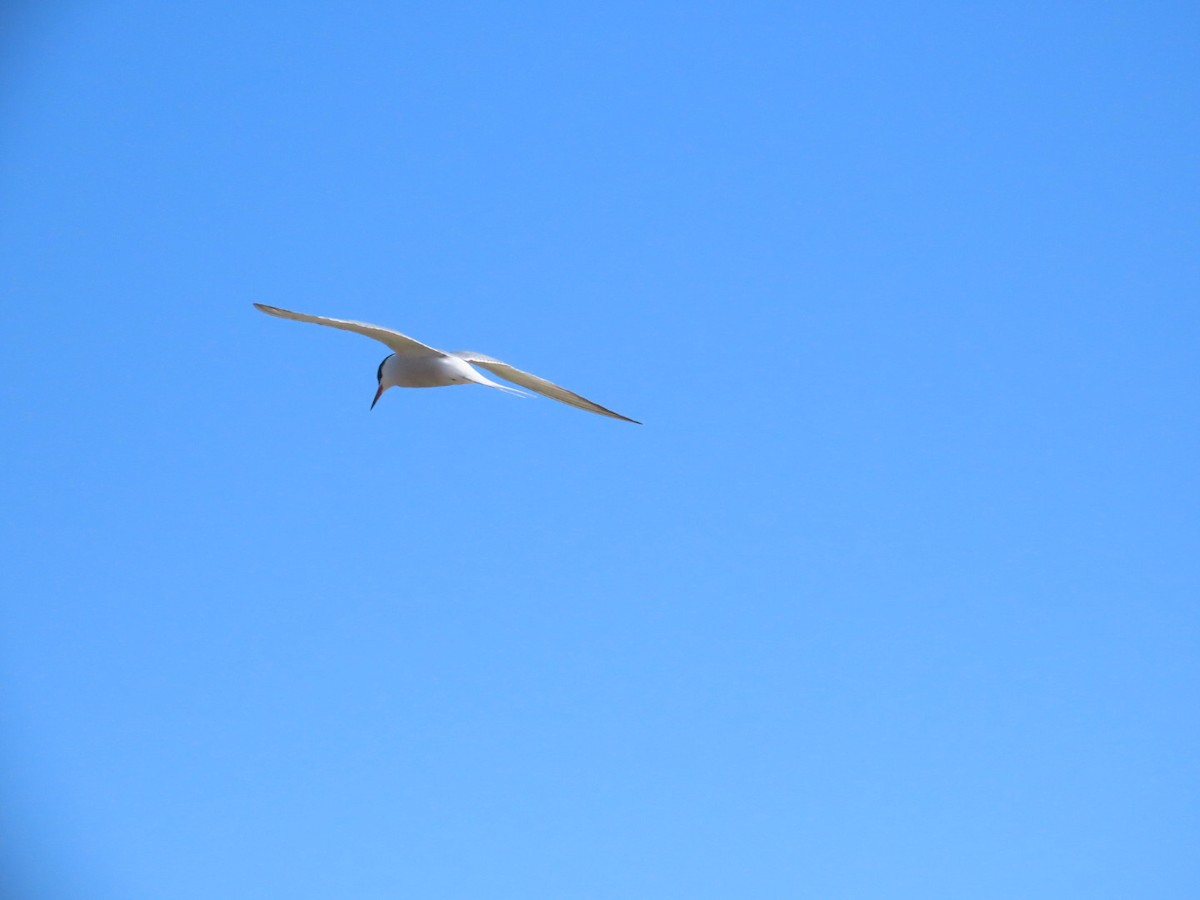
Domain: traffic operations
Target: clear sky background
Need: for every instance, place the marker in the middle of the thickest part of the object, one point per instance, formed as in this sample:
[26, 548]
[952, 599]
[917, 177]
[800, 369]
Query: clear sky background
[894, 595]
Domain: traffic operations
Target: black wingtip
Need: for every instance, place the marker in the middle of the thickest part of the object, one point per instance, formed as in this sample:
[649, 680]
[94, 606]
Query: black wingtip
[616, 415]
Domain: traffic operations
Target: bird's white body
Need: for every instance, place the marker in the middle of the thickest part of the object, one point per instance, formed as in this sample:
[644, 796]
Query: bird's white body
[416, 365]
[429, 371]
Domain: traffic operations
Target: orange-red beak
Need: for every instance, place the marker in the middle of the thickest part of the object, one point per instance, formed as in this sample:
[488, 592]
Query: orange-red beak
[378, 394]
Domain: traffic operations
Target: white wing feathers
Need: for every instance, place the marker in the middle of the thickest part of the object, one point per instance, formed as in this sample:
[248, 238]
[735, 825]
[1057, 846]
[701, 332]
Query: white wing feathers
[399, 343]
[540, 385]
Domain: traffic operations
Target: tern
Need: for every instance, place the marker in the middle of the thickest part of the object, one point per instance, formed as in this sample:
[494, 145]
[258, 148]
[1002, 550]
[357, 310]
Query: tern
[416, 365]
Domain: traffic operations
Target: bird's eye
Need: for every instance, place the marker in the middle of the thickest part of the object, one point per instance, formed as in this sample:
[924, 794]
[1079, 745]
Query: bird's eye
[379, 371]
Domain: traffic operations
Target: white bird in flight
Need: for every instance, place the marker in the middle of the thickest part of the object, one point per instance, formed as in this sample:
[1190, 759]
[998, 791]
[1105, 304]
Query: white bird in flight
[413, 364]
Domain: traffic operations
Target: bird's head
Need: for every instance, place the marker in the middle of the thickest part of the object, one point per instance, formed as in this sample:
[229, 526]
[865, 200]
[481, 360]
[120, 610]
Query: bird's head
[383, 385]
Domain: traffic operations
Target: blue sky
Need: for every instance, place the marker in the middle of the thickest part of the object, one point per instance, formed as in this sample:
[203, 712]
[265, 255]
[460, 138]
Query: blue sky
[894, 594]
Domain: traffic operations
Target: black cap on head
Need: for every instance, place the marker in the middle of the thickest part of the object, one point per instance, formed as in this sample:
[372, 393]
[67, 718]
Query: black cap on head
[379, 380]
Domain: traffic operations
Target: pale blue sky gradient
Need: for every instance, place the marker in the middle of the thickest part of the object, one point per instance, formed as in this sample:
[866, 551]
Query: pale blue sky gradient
[895, 594]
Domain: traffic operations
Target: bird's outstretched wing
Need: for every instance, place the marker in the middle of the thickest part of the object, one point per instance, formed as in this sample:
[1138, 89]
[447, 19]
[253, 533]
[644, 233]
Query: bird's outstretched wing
[400, 343]
[541, 385]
